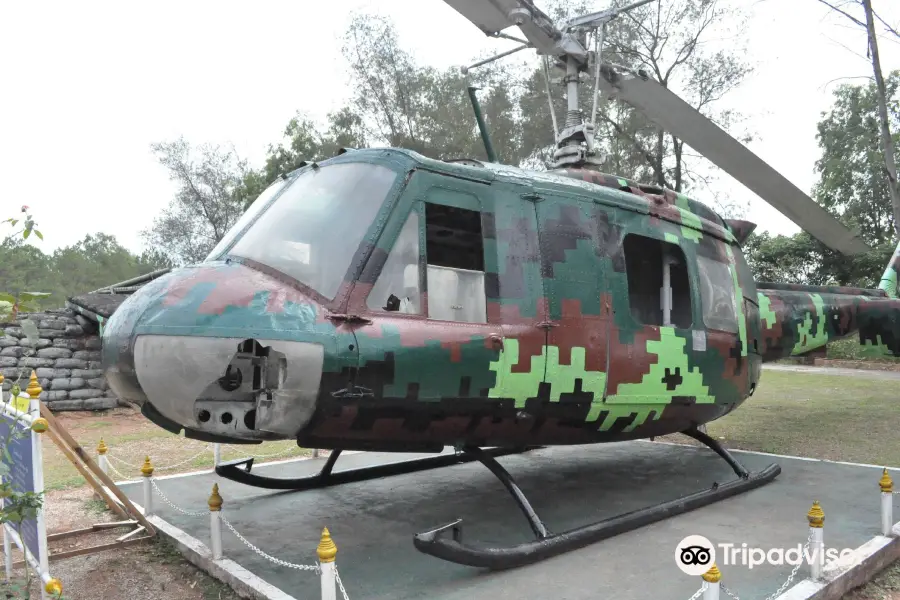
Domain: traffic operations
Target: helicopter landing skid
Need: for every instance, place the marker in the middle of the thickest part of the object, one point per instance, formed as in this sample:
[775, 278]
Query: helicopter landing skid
[239, 470]
[547, 545]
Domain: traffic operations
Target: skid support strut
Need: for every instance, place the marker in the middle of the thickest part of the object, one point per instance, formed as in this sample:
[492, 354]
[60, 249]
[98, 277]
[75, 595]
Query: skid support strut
[546, 545]
[239, 470]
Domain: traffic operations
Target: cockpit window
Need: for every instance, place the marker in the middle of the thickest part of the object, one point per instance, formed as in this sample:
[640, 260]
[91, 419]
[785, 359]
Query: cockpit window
[717, 292]
[314, 228]
[260, 203]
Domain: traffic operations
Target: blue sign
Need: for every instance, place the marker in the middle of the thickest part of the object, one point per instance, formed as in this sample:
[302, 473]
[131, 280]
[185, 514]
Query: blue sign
[21, 474]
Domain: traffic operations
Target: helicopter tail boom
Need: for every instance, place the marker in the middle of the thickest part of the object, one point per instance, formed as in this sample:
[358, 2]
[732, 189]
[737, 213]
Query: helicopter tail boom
[889, 280]
[797, 319]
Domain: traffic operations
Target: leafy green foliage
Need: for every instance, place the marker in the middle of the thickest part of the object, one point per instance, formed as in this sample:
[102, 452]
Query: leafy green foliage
[853, 186]
[853, 181]
[95, 261]
[397, 102]
[209, 199]
[18, 507]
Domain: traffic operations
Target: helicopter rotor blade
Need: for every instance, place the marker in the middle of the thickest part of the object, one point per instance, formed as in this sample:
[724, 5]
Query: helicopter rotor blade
[493, 16]
[676, 116]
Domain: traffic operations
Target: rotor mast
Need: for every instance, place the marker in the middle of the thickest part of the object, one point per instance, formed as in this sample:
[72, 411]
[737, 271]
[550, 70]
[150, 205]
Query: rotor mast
[575, 143]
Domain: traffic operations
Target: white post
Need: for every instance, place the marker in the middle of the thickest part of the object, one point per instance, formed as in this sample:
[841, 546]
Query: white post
[215, 522]
[217, 454]
[712, 578]
[147, 471]
[7, 548]
[7, 554]
[315, 453]
[887, 503]
[38, 426]
[102, 459]
[102, 462]
[327, 552]
[816, 518]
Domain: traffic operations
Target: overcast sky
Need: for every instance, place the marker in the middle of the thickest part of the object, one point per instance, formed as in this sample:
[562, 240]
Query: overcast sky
[88, 86]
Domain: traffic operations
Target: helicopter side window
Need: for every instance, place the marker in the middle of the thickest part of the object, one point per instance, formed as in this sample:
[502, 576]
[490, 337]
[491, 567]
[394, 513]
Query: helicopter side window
[397, 287]
[455, 252]
[645, 261]
[718, 294]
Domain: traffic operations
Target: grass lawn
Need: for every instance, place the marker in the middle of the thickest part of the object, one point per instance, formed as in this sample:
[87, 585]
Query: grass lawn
[855, 419]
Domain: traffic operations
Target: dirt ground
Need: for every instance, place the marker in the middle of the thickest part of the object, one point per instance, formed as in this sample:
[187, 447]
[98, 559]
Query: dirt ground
[153, 569]
[785, 416]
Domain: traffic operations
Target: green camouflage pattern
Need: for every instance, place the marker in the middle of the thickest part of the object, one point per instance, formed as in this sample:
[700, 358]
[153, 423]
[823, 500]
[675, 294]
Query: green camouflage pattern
[888, 282]
[562, 357]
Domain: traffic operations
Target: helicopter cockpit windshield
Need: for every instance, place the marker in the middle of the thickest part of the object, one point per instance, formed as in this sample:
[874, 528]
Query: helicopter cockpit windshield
[312, 231]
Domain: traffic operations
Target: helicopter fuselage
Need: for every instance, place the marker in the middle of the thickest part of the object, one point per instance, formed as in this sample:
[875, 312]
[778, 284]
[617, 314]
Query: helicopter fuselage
[383, 300]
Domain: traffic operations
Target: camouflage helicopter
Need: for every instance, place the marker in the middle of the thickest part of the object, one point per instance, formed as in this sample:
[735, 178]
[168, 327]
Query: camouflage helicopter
[381, 300]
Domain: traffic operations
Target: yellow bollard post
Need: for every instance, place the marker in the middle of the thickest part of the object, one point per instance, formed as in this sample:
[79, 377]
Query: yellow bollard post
[147, 471]
[712, 578]
[34, 388]
[816, 518]
[215, 522]
[327, 551]
[887, 503]
[54, 587]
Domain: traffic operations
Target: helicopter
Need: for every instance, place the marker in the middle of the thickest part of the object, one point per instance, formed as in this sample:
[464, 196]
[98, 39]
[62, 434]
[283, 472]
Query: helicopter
[381, 300]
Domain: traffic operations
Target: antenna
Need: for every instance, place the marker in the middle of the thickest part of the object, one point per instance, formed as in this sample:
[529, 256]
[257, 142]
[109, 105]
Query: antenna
[575, 142]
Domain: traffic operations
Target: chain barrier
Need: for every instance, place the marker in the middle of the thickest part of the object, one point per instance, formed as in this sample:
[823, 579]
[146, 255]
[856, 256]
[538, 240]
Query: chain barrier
[314, 567]
[277, 561]
[116, 472]
[189, 513]
[699, 592]
[337, 577]
[780, 590]
[155, 468]
[206, 448]
[275, 455]
[794, 571]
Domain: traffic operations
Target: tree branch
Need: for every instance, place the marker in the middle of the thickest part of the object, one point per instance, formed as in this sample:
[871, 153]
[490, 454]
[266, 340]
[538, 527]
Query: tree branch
[886, 26]
[651, 160]
[846, 14]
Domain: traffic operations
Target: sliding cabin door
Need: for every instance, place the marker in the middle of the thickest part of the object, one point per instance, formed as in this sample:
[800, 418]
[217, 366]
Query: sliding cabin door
[578, 244]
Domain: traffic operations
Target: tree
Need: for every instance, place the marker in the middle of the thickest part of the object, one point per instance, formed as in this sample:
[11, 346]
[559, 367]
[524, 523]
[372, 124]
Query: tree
[96, 261]
[884, 120]
[667, 39]
[212, 187]
[851, 185]
[403, 104]
[851, 169]
[399, 103]
[396, 102]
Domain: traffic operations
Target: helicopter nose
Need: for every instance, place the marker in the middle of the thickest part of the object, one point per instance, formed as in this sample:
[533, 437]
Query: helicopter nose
[221, 350]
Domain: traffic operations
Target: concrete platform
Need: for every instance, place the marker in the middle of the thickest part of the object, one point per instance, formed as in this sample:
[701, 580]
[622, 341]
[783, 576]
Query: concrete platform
[373, 522]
